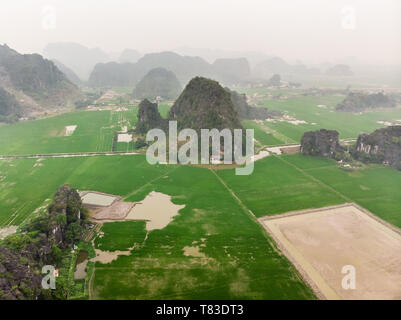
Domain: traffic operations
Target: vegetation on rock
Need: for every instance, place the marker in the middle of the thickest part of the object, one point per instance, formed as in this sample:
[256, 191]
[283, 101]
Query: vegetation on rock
[41, 242]
[382, 146]
[204, 104]
[149, 117]
[322, 143]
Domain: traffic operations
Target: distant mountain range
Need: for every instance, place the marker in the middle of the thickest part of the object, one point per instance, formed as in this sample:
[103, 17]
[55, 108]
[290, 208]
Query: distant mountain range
[185, 68]
[99, 69]
[29, 83]
[76, 57]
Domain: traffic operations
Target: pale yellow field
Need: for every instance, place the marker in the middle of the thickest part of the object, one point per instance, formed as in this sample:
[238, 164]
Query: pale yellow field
[321, 242]
[97, 199]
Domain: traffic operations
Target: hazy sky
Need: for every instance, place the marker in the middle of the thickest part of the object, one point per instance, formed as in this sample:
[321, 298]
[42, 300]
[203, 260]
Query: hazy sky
[309, 30]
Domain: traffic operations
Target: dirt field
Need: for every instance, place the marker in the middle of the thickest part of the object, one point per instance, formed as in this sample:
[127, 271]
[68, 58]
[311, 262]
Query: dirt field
[97, 199]
[124, 137]
[118, 211]
[321, 242]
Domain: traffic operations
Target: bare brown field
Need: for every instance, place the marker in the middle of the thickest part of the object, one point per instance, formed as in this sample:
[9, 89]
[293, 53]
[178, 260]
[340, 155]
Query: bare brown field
[117, 211]
[321, 242]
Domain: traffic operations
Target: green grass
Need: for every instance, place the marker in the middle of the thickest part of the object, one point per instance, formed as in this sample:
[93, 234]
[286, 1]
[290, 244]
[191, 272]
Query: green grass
[239, 261]
[94, 133]
[121, 235]
[164, 109]
[24, 187]
[261, 135]
[349, 125]
[376, 189]
[276, 187]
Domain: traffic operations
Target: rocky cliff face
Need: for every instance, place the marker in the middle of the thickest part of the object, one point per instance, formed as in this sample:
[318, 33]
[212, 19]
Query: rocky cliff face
[17, 280]
[204, 104]
[36, 83]
[149, 117]
[381, 146]
[158, 82]
[322, 143]
[10, 109]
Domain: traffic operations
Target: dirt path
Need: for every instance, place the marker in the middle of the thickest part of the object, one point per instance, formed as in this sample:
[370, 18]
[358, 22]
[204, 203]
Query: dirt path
[248, 212]
[67, 155]
[90, 284]
[149, 183]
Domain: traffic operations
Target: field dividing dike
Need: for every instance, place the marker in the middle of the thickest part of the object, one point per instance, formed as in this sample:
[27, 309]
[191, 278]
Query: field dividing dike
[315, 179]
[149, 183]
[251, 215]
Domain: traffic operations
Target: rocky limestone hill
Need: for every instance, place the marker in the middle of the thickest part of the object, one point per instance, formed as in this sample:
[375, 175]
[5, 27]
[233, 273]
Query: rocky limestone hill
[382, 146]
[205, 104]
[359, 101]
[115, 74]
[40, 243]
[129, 55]
[36, 83]
[158, 82]
[149, 118]
[322, 143]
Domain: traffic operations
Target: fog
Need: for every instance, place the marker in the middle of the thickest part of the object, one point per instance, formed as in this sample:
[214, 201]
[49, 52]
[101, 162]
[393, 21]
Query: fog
[312, 31]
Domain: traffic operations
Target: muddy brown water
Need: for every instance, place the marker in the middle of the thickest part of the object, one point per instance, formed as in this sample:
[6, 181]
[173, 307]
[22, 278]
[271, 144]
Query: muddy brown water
[82, 262]
[156, 209]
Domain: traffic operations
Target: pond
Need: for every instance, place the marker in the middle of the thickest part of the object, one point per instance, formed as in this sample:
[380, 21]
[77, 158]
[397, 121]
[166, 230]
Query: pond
[82, 262]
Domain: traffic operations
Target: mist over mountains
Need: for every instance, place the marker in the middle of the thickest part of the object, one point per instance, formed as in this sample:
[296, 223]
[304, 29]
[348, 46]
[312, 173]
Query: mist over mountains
[99, 68]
